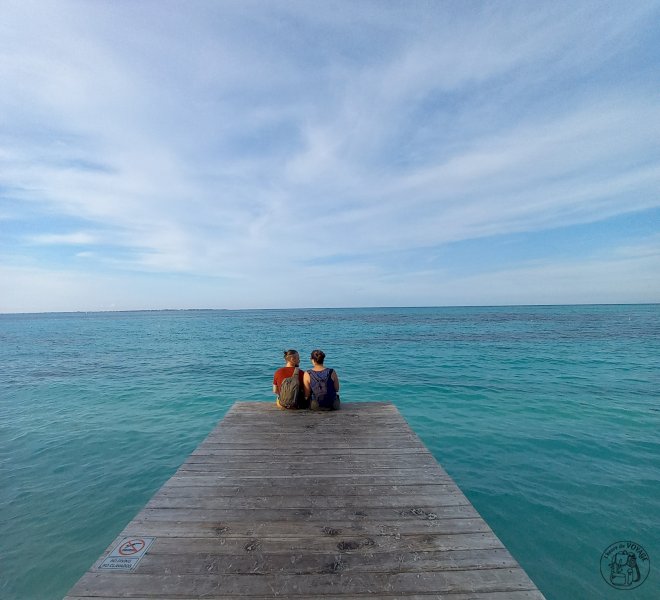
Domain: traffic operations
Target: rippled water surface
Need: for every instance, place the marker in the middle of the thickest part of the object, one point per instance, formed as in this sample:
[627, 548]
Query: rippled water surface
[547, 417]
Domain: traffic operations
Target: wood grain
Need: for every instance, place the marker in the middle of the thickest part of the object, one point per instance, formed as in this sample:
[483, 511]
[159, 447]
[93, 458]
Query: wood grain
[296, 504]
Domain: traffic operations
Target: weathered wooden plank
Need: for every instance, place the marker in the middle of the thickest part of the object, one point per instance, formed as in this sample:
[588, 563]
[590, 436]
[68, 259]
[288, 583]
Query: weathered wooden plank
[276, 431]
[299, 525]
[341, 542]
[305, 563]
[279, 505]
[370, 506]
[138, 584]
[330, 430]
[211, 463]
[508, 595]
[323, 423]
[312, 445]
[303, 452]
[345, 541]
[389, 429]
[253, 488]
[312, 460]
[392, 477]
[261, 469]
[312, 505]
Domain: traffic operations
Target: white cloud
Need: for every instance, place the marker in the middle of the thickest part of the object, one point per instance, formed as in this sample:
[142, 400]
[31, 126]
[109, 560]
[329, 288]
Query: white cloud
[622, 281]
[79, 238]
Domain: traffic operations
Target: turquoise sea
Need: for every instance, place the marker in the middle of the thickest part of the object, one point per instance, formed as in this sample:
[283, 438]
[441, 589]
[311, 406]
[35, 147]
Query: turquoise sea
[547, 417]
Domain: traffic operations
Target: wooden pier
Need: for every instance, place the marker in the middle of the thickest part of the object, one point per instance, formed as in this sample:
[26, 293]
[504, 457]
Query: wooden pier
[297, 504]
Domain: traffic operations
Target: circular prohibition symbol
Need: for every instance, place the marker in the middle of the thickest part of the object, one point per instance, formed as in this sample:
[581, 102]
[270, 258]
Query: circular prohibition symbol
[131, 547]
[625, 565]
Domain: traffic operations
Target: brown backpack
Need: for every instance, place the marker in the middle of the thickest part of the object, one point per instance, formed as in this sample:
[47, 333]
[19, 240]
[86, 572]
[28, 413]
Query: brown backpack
[290, 390]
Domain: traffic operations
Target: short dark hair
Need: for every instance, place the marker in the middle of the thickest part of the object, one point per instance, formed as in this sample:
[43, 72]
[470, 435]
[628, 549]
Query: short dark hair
[318, 356]
[290, 352]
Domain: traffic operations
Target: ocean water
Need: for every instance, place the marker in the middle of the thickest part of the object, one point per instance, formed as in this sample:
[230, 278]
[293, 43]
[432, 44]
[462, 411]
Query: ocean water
[547, 417]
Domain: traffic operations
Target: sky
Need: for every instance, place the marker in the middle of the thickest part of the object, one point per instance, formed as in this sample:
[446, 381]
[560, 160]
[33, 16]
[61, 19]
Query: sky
[221, 154]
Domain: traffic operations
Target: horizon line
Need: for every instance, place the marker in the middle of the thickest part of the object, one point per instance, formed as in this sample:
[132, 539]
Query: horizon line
[155, 310]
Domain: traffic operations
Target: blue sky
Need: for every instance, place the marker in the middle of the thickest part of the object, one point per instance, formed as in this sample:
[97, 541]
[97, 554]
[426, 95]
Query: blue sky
[243, 154]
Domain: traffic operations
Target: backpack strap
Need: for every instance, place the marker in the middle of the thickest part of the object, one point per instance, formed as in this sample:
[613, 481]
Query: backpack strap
[317, 374]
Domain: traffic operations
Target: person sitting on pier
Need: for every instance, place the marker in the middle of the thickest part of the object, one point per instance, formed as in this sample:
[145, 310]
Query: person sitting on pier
[288, 383]
[321, 384]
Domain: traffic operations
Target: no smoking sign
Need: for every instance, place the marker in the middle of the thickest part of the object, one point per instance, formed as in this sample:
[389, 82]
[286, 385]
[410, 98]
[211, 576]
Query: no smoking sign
[126, 555]
[132, 546]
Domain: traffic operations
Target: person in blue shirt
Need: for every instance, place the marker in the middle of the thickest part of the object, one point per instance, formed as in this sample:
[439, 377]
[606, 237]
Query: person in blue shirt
[321, 384]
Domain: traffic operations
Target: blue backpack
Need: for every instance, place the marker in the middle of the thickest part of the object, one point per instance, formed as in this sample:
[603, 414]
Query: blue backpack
[323, 387]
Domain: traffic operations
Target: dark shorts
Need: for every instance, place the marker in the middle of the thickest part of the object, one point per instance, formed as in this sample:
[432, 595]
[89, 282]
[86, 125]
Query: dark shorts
[302, 403]
[314, 405]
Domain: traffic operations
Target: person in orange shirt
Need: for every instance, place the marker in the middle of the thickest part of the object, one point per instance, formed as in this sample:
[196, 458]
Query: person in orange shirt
[292, 359]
